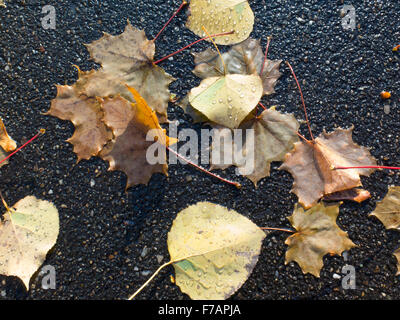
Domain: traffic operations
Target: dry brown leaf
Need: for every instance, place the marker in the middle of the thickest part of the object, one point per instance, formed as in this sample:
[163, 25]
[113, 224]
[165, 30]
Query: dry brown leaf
[356, 194]
[219, 16]
[311, 165]
[274, 136]
[130, 124]
[317, 235]
[128, 57]
[244, 58]
[2, 4]
[86, 114]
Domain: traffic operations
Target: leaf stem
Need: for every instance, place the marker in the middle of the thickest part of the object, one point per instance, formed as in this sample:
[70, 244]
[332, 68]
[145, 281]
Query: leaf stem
[193, 43]
[151, 278]
[302, 101]
[42, 131]
[366, 167]
[278, 229]
[266, 55]
[236, 184]
[184, 3]
[216, 47]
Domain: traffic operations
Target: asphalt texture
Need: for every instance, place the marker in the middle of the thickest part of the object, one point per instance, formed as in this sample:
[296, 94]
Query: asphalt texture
[111, 240]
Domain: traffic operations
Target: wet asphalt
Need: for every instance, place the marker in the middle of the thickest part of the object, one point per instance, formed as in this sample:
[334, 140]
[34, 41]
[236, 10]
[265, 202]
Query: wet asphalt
[111, 240]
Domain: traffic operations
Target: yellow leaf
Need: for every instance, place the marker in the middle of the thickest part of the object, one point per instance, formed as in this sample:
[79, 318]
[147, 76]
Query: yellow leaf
[219, 16]
[388, 210]
[214, 250]
[28, 232]
[227, 100]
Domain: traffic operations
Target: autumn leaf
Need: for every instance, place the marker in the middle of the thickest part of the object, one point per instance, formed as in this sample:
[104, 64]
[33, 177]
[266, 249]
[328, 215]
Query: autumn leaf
[216, 250]
[130, 124]
[356, 194]
[244, 58]
[312, 165]
[218, 16]
[227, 100]
[86, 114]
[388, 210]
[128, 57]
[7, 144]
[317, 235]
[397, 255]
[213, 251]
[274, 136]
[2, 3]
[28, 231]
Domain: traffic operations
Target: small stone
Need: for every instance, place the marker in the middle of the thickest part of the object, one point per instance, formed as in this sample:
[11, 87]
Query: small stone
[50, 191]
[146, 273]
[189, 178]
[159, 258]
[336, 276]
[386, 109]
[92, 183]
[3, 293]
[144, 252]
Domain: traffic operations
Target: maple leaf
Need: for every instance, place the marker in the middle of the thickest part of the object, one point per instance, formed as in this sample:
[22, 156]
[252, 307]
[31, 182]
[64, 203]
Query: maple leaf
[227, 100]
[7, 144]
[317, 235]
[312, 165]
[388, 210]
[356, 194]
[86, 114]
[128, 57]
[244, 58]
[274, 136]
[28, 231]
[214, 249]
[218, 16]
[130, 124]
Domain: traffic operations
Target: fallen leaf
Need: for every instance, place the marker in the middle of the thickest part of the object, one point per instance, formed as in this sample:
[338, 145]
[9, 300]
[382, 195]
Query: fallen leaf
[388, 210]
[7, 144]
[244, 58]
[128, 57]
[274, 136]
[317, 235]
[86, 114]
[397, 255]
[219, 16]
[130, 124]
[2, 3]
[356, 194]
[28, 231]
[311, 165]
[227, 100]
[214, 250]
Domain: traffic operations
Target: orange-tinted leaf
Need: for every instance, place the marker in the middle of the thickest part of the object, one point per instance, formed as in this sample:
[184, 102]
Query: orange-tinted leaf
[130, 124]
[311, 165]
[356, 194]
[7, 144]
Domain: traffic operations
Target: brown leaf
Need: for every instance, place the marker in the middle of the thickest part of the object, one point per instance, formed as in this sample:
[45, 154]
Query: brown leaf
[86, 114]
[388, 210]
[356, 194]
[128, 57]
[274, 136]
[7, 144]
[244, 58]
[317, 235]
[311, 165]
[130, 124]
